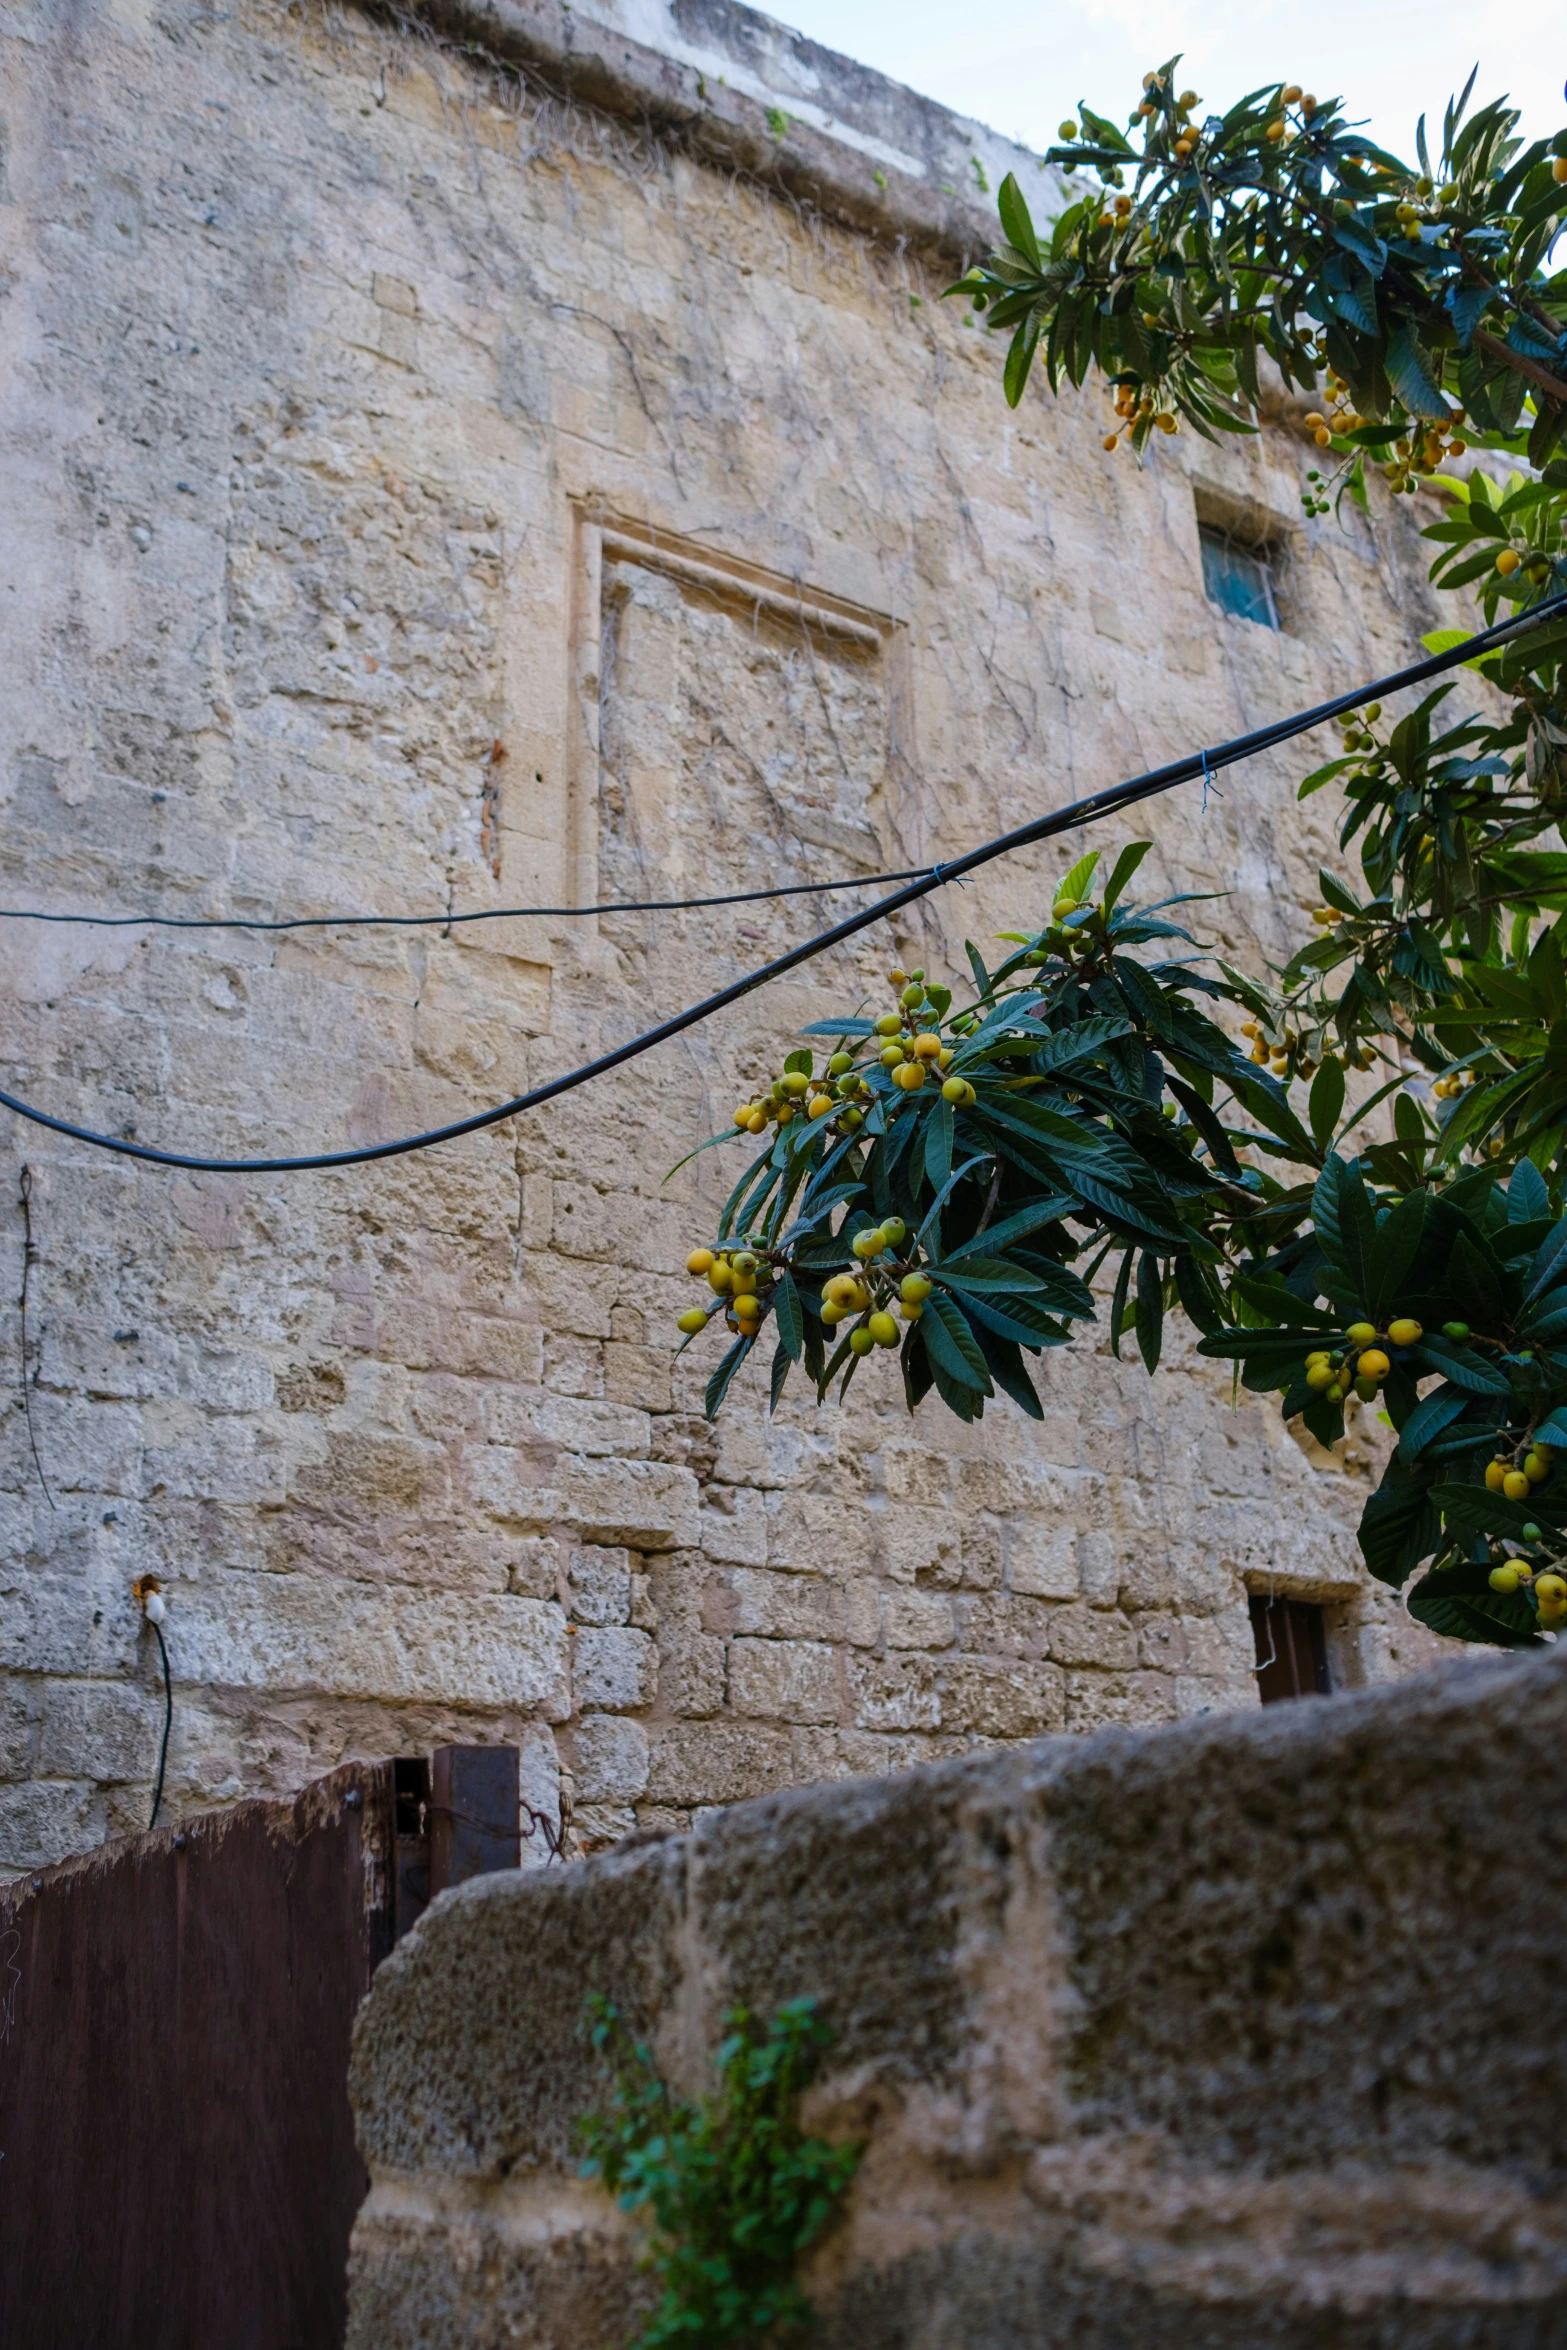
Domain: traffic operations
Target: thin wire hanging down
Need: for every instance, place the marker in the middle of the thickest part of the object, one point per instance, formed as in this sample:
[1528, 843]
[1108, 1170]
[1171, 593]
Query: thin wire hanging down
[1091, 810]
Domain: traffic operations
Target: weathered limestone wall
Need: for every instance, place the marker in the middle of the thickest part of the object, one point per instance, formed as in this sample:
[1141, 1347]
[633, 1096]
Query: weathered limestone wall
[1238, 2033]
[420, 492]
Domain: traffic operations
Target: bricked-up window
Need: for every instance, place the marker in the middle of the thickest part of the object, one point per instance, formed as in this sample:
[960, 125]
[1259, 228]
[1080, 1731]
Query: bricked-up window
[1292, 1655]
[1236, 577]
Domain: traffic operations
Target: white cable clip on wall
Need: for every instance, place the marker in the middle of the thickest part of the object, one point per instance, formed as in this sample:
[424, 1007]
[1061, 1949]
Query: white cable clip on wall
[148, 1595]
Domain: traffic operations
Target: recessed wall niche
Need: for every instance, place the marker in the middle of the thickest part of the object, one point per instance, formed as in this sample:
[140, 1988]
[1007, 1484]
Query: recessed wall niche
[737, 729]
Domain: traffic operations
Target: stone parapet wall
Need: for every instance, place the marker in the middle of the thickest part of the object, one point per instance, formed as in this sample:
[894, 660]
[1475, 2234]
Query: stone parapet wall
[1231, 2034]
[423, 491]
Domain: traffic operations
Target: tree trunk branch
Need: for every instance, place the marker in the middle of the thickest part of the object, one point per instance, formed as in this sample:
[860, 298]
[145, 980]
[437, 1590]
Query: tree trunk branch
[1540, 377]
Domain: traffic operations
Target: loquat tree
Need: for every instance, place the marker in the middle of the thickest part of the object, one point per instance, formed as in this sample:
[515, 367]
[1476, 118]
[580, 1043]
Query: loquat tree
[953, 1180]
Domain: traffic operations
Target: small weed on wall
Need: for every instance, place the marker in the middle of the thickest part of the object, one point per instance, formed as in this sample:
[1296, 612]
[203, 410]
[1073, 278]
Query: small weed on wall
[731, 2191]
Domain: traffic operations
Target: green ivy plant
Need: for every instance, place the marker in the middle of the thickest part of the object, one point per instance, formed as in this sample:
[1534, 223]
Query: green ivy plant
[731, 2189]
[952, 1182]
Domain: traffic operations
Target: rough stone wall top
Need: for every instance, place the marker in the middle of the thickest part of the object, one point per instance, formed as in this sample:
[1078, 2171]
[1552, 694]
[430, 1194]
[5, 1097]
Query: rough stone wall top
[743, 91]
[424, 491]
[1234, 2034]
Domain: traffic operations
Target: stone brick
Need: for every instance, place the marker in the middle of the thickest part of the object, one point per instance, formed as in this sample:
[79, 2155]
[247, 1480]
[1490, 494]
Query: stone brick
[600, 1582]
[784, 1680]
[46, 1820]
[579, 1424]
[100, 1730]
[614, 1668]
[894, 1693]
[785, 1607]
[1011, 1700]
[637, 1375]
[1087, 1636]
[1042, 1560]
[306, 1632]
[734, 1526]
[917, 1619]
[18, 1730]
[611, 1759]
[644, 1504]
[919, 1545]
[1002, 1624]
[538, 1567]
[717, 1762]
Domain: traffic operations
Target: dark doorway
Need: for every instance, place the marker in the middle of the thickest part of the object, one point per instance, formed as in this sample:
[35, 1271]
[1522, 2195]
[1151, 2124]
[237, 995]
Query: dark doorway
[1292, 1654]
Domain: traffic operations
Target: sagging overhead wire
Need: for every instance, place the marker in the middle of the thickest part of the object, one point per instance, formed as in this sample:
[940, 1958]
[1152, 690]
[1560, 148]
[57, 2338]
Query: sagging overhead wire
[734, 897]
[1091, 810]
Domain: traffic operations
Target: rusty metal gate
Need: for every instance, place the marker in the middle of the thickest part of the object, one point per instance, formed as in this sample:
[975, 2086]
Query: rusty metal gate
[177, 2160]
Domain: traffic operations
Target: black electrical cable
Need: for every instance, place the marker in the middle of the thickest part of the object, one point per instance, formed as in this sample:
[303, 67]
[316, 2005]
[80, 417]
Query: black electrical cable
[1087, 811]
[737, 897]
[168, 1720]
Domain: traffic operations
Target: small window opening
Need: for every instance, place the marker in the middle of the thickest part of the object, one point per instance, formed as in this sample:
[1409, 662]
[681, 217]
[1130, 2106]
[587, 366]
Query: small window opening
[1238, 578]
[1292, 1654]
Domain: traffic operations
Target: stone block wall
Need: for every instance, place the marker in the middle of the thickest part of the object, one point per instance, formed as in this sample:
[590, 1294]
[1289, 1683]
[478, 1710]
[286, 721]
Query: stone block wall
[424, 492]
[1235, 2033]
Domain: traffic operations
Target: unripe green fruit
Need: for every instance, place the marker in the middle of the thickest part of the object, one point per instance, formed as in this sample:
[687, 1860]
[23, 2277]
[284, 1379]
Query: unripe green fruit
[1366, 1389]
[892, 1056]
[1456, 1331]
[883, 1329]
[954, 1089]
[833, 1312]
[915, 1288]
[1503, 1579]
[1532, 1534]
[840, 1064]
[860, 1341]
[913, 994]
[893, 1230]
[692, 1321]
[743, 1261]
[851, 1119]
[1361, 1333]
[794, 1083]
[890, 1024]
[1320, 1376]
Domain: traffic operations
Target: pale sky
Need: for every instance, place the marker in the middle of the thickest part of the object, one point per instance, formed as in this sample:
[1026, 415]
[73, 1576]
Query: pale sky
[1022, 68]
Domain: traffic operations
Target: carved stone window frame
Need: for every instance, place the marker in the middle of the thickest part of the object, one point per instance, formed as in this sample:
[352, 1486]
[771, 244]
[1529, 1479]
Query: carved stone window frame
[600, 534]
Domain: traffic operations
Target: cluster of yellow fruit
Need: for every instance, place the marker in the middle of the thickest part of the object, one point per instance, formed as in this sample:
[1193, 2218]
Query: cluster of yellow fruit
[1549, 1587]
[1416, 456]
[1536, 567]
[793, 1095]
[1422, 451]
[1353, 726]
[1362, 1362]
[1286, 1054]
[1061, 936]
[911, 1050]
[882, 1280]
[1136, 406]
[1517, 1479]
[1446, 1087]
[740, 1277]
